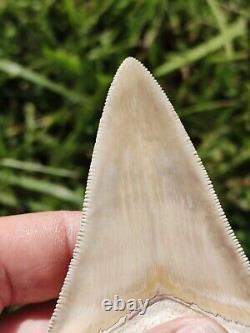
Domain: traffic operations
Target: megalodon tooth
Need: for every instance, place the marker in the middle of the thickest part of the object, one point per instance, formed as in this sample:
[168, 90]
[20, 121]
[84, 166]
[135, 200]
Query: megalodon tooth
[152, 226]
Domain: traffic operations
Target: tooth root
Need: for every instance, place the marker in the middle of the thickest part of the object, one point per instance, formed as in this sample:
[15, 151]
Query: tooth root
[152, 223]
[165, 309]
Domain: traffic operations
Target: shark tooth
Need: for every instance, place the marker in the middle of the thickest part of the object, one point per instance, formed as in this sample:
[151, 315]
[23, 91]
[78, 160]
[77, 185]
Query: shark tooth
[152, 225]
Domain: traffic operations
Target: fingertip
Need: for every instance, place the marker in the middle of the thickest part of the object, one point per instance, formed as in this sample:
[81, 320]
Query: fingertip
[35, 250]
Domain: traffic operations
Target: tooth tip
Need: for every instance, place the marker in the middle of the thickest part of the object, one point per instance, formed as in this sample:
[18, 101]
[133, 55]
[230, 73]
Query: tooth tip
[130, 75]
[131, 63]
[130, 60]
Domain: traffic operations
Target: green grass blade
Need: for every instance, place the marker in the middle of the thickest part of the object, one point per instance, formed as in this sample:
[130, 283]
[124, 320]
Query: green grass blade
[36, 167]
[235, 30]
[207, 106]
[8, 199]
[221, 21]
[15, 70]
[40, 186]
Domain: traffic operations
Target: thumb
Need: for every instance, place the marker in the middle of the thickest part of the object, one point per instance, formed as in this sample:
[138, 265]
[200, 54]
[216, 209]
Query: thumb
[189, 325]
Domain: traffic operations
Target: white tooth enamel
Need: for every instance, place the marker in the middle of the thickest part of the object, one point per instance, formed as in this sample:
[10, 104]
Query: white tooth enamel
[152, 223]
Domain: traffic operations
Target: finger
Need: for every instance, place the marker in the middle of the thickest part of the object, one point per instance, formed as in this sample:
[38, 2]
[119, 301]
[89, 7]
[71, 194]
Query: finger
[189, 325]
[35, 250]
[31, 319]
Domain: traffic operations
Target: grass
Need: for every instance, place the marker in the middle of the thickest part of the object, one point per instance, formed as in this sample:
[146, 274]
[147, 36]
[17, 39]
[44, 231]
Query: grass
[57, 60]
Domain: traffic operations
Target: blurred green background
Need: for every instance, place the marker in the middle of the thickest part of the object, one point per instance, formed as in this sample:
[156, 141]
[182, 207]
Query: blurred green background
[57, 60]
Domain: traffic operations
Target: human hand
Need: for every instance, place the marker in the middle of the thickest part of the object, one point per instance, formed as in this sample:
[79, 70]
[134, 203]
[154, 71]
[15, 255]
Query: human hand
[35, 250]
